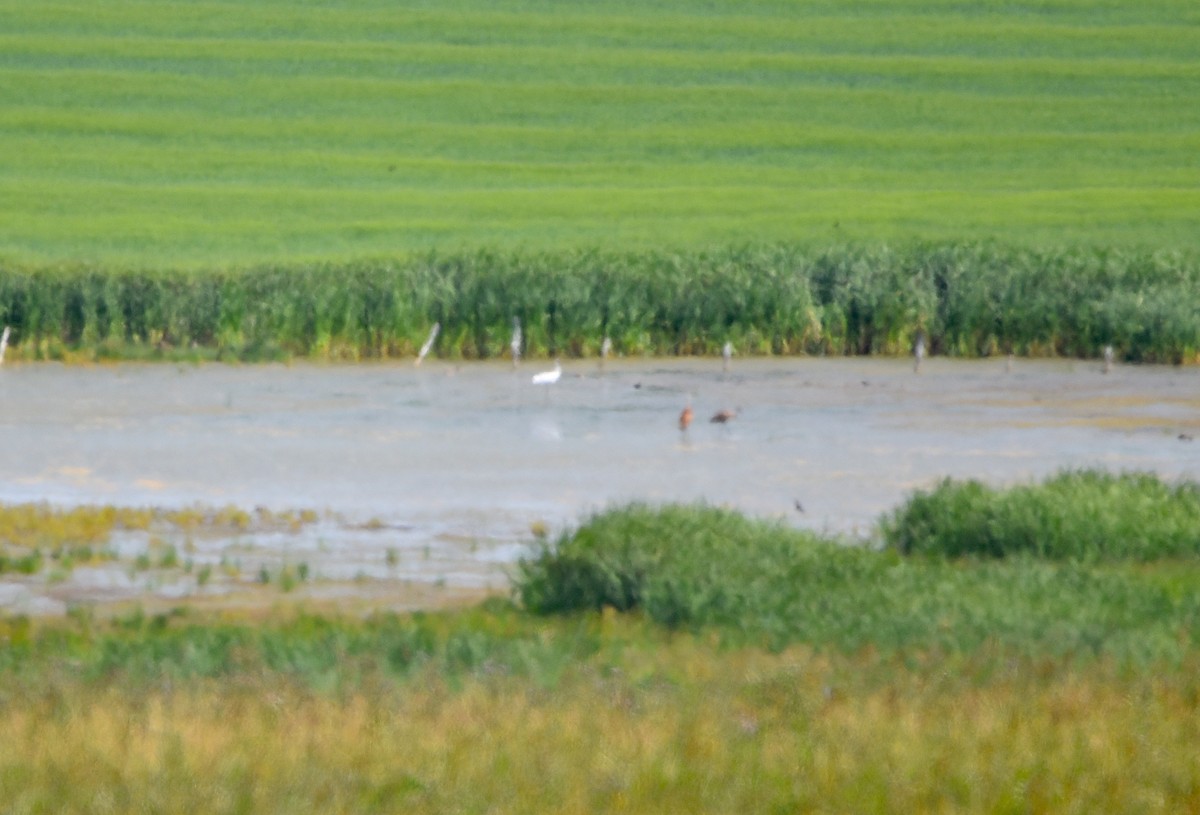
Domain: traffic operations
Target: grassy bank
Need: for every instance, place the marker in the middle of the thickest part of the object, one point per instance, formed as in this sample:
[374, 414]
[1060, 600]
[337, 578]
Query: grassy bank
[187, 135]
[969, 300]
[630, 677]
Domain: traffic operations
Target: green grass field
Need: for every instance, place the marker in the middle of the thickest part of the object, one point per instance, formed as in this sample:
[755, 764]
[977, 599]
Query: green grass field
[176, 134]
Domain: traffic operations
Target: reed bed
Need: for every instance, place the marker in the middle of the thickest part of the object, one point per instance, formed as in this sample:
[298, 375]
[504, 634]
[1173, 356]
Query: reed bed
[967, 299]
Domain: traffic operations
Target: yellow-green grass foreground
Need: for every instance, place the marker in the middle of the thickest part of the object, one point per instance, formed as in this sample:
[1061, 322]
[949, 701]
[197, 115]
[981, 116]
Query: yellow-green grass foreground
[156, 133]
[653, 723]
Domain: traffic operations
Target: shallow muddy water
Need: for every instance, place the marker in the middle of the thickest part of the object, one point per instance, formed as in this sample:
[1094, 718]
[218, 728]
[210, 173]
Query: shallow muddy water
[436, 474]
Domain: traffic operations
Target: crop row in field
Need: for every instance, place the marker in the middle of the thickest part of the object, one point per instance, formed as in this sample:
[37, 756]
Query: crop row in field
[968, 299]
[155, 132]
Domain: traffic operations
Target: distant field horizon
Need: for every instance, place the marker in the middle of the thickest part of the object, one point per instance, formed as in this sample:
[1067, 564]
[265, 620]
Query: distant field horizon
[181, 135]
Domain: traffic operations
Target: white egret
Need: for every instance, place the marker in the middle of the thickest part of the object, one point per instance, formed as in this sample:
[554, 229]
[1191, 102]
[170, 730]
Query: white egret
[1108, 358]
[726, 355]
[3, 344]
[549, 377]
[919, 352]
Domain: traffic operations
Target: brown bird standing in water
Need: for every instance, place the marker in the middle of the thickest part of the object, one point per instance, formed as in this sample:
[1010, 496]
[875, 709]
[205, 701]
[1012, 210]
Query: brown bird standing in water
[685, 418]
[723, 416]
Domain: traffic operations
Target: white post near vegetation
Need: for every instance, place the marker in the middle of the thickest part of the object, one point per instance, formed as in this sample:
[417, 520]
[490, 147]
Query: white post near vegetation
[428, 343]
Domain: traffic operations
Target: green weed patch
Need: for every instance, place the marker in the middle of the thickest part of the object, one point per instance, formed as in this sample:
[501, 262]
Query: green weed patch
[699, 567]
[1081, 516]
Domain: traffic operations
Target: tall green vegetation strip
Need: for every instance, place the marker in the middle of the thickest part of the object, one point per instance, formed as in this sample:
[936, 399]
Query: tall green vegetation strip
[697, 567]
[157, 131]
[321, 652]
[969, 299]
[1080, 516]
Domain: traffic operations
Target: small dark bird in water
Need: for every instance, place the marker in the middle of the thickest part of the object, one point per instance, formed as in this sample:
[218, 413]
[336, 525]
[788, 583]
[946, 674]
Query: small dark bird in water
[1185, 437]
[799, 506]
[685, 418]
[723, 416]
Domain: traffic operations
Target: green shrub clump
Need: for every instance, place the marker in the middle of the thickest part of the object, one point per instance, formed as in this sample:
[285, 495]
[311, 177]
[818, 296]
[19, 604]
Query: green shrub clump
[702, 568]
[1077, 515]
[682, 564]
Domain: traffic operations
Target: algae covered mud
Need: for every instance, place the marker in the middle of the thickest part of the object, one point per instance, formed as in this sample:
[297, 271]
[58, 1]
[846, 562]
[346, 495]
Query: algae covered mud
[404, 486]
